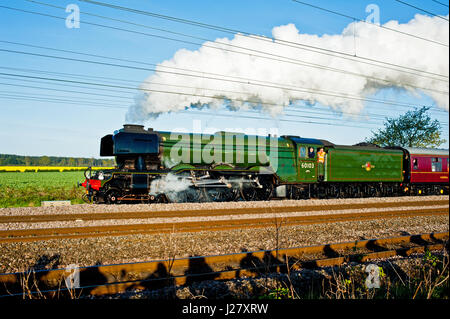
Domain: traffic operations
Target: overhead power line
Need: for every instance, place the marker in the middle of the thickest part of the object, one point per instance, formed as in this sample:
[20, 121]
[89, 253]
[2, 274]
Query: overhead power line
[360, 20]
[188, 112]
[67, 91]
[318, 92]
[202, 72]
[308, 110]
[442, 92]
[445, 5]
[303, 111]
[224, 29]
[57, 100]
[293, 109]
[83, 76]
[291, 117]
[158, 91]
[218, 28]
[133, 88]
[296, 45]
[45, 98]
[268, 56]
[420, 9]
[116, 80]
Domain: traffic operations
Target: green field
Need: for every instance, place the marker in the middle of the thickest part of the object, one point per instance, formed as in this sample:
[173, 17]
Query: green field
[30, 188]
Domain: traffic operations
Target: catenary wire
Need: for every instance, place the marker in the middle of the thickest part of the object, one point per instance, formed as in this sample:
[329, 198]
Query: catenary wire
[420, 9]
[445, 5]
[223, 29]
[16, 98]
[280, 59]
[289, 111]
[132, 88]
[115, 80]
[318, 92]
[199, 73]
[327, 111]
[296, 45]
[360, 20]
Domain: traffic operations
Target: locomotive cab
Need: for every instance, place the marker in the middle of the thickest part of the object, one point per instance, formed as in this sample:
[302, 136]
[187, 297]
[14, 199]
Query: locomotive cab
[134, 148]
[307, 166]
[137, 152]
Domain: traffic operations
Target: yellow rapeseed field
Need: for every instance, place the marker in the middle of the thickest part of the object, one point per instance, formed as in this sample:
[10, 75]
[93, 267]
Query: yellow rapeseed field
[47, 168]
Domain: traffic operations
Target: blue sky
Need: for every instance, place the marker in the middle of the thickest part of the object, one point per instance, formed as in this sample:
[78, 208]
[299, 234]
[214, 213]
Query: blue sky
[51, 121]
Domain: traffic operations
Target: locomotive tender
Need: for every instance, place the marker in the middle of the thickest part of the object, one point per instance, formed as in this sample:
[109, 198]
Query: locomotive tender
[185, 167]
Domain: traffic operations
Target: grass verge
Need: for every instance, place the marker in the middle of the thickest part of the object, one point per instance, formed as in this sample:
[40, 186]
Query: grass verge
[18, 189]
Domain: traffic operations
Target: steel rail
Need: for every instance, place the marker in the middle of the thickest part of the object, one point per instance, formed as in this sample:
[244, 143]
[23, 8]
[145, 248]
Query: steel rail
[111, 279]
[207, 212]
[27, 235]
[181, 280]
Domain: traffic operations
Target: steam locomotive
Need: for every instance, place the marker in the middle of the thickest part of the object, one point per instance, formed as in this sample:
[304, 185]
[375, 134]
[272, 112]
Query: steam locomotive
[154, 167]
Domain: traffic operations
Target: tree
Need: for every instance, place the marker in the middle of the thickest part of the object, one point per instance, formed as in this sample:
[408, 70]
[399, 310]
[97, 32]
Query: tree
[44, 161]
[412, 129]
[72, 162]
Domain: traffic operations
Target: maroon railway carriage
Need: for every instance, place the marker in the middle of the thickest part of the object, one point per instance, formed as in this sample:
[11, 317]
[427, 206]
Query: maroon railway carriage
[428, 171]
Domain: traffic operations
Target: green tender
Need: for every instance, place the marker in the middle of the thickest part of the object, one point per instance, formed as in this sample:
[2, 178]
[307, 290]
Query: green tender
[364, 164]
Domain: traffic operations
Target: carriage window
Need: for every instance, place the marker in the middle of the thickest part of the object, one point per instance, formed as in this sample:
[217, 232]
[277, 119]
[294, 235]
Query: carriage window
[436, 164]
[415, 164]
[302, 152]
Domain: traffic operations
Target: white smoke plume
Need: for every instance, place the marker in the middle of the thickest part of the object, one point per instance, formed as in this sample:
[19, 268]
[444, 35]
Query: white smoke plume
[170, 185]
[366, 40]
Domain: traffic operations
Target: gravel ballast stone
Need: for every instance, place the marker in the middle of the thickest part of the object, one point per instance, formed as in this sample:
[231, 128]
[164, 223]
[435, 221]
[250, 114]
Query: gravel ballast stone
[134, 248]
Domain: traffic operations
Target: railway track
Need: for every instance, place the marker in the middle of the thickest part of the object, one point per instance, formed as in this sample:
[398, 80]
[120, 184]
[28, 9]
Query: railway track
[208, 212]
[113, 279]
[229, 219]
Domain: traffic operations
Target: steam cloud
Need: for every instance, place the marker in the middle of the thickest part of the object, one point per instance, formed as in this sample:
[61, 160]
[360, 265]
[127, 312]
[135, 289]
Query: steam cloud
[368, 40]
[170, 185]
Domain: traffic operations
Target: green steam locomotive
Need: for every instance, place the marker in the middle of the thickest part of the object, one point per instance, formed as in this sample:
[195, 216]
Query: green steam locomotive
[155, 167]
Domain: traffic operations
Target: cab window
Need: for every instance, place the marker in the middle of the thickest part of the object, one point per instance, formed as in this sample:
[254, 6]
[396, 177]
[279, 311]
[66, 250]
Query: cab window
[311, 153]
[302, 152]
